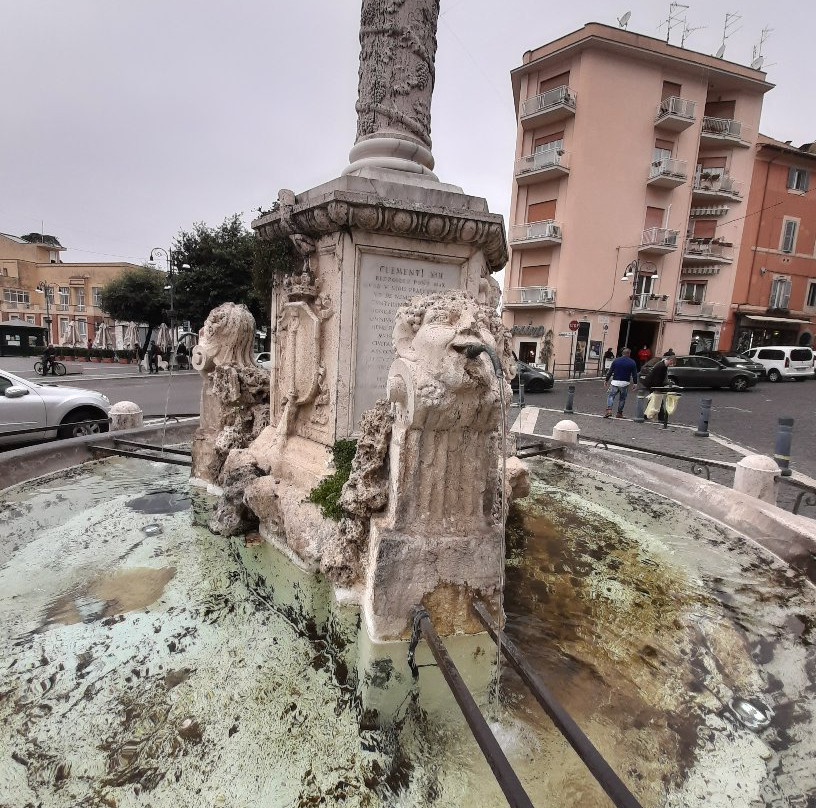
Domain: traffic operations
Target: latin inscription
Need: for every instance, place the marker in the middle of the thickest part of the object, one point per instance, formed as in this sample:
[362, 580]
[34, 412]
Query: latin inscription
[386, 283]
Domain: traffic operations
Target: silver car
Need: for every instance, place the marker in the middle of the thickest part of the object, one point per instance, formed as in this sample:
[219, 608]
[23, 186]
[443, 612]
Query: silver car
[30, 405]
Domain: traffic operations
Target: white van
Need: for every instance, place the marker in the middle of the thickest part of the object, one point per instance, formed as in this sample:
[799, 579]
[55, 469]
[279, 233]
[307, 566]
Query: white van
[785, 361]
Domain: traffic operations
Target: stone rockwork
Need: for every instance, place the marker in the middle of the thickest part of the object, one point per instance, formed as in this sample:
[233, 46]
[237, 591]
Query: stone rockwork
[235, 393]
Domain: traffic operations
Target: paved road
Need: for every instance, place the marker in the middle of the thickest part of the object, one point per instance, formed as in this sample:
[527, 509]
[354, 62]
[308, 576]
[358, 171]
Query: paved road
[749, 418]
[182, 393]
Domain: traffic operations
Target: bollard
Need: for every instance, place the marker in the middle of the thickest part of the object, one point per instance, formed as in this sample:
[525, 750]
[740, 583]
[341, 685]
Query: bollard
[756, 475]
[641, 407]
[521, 391]
[566, 432]
[125, 415]
[705, 414]
[570, 398]
[782, 449]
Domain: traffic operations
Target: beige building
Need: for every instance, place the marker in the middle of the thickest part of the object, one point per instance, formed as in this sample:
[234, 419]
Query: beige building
[31, 269]
[633, 162]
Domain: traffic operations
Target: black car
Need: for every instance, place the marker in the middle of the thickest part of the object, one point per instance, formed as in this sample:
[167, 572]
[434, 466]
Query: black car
[734, 359]
[701, 371]
[535, 380]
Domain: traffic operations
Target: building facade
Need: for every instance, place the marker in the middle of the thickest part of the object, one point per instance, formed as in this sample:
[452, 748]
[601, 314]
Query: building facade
[633, 161]
[30, 270]
[774, 299]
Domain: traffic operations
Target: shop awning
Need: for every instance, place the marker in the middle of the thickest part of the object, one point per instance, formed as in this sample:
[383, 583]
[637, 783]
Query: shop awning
[788, 320]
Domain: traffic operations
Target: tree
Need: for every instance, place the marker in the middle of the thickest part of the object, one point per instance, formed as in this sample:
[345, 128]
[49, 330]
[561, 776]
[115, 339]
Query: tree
[139, 295]
[226, 264]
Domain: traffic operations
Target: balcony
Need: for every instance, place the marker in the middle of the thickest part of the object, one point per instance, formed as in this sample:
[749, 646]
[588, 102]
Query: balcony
[699, 311]
[535, 234]
[529, 296]
[649, 304]
[542, 165]
[707, 252]
[554, 105]
[675, 114]
[667, 173]
[715, 187]
[658, 240]
[717, 131]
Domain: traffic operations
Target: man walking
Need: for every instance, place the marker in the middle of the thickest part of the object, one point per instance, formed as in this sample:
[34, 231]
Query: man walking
[153, 357]
[622, 372]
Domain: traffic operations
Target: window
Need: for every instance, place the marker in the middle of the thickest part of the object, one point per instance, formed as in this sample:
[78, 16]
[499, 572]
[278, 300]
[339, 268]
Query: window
[654, 218]
[789, 228]
[17, 296]
[64, 291]
[670, 89]
[82, 329]
[541, 211]
[770, 353]
[693, 292]
[704, 228]
[780, 293]
[554, 142]
[662, 152]
[96, 293]
[79, 298]
[561, 80]
[810, 297]
[538, 275]
[53, 256]
[30, 319]
[798, 179]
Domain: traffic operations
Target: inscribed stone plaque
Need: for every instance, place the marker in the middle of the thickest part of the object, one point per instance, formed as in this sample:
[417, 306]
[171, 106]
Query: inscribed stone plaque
[386, 282]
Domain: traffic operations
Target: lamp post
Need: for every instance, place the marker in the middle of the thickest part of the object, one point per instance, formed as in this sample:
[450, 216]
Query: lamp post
[171, 285]
[633, 271]
[45, 289]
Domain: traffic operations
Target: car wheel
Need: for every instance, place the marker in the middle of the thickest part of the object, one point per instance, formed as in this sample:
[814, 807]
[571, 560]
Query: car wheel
[72, 425]
[739, 383]
[774, 375]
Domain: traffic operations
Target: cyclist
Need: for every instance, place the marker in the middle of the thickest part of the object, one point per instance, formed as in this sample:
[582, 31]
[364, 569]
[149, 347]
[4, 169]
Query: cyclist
[49, 359]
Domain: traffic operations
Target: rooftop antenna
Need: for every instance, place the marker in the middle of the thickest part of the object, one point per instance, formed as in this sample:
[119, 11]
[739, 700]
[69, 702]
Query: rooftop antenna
[674, 18]
[688, 31]
[731, 19]
[623, 22]
[757, 57]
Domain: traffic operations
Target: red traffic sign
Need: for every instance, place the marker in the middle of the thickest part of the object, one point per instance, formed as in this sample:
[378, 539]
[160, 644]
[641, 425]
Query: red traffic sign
[573, 325]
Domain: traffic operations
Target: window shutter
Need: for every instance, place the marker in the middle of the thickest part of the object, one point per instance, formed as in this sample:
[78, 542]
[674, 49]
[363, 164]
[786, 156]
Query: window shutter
[791, 177]
[786, 292]
[806, 184]
[541, 211]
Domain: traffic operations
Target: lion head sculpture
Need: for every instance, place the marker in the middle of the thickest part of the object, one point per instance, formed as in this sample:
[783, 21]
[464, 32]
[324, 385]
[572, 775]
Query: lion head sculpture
[225, 339]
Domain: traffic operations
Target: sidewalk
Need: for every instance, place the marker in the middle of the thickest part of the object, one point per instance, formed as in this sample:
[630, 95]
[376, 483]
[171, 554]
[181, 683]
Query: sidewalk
[24, 366]
[681, 440]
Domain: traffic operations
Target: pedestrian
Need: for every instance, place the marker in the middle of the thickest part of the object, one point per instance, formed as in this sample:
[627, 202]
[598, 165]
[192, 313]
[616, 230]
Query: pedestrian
[643, 356]
[153, 354]
[181, 356]
[654, 381]
[608, 357]
[670, 352]
[579, 362]
[621, 373]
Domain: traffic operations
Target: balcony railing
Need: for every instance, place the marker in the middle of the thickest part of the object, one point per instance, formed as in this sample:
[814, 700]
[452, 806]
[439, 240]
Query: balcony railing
[714, 185]
[649, 302]
[542, 162]
[675, 113]
[659, 239]
[668, 173]
[559, 101]
[530, 296]
[727, 129]
[547, 231]
[707, 251]
[701, 310]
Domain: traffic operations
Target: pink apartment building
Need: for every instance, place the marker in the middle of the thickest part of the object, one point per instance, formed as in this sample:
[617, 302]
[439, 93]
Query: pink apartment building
[633, 163]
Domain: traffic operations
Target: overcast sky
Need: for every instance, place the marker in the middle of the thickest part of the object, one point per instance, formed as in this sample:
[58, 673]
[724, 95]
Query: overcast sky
[123, 122]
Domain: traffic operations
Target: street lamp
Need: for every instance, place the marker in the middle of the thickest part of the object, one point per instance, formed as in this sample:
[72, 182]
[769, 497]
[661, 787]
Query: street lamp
[171, 285]
[46, 289]
[633, 272]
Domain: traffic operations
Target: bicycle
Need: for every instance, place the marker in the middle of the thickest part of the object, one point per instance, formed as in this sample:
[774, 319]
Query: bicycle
[58, 368]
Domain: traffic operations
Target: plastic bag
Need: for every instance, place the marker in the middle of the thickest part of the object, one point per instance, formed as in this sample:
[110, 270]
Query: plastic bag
[671, 402]
[653, 402]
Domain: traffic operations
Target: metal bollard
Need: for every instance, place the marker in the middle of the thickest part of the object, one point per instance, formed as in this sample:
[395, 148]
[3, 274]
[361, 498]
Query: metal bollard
[641, 407]
[782, 450]
[521, 391]
[705, 414]
[570, 398]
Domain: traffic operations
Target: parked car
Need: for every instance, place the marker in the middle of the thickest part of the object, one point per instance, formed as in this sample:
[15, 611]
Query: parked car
[264, 359]
[535, 380]
[734, 359]
[700, 371]
[784, 361]
[28, 405]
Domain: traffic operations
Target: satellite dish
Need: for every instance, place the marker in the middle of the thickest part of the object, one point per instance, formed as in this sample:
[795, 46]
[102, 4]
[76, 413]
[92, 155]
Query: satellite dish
[623, 21]
[757, 63]
[720, 51]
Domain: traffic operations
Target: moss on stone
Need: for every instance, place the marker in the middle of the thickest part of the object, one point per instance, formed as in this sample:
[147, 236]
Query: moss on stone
[327, 492]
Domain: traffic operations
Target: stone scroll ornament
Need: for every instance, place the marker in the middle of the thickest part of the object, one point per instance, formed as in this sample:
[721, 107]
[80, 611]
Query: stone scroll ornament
[235, 393]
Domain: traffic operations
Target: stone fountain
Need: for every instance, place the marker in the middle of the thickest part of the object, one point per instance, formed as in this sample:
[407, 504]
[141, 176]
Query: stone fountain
[369, 337]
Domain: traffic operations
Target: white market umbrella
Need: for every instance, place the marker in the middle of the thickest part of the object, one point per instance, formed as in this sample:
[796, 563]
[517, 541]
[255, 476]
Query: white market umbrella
[103, 338]
[162, 338]
[131, 336]
[70, 338]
